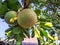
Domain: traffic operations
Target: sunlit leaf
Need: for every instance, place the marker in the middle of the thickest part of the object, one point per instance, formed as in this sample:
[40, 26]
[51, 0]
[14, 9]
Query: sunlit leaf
[50, 37]
[37, 32]
[43, 32]
[12, 20]
[49, 24]
[7, 33]
[46, 34]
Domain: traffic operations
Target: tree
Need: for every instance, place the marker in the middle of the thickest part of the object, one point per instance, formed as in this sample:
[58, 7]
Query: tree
[48, 16]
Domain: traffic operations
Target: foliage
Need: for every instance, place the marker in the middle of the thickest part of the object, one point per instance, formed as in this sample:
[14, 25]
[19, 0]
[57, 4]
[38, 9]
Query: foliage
[48, 18]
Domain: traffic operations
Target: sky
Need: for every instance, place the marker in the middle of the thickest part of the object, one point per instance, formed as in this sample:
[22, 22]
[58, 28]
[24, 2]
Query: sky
[3, 27]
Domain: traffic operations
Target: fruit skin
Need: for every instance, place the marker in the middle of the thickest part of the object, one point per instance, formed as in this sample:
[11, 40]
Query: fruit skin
[9, 15]
[26, 18]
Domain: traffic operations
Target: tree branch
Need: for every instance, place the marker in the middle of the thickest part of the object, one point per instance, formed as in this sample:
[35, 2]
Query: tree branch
[26, 3]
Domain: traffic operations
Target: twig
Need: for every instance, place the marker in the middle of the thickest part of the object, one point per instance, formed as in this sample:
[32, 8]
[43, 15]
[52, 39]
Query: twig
[26, 3]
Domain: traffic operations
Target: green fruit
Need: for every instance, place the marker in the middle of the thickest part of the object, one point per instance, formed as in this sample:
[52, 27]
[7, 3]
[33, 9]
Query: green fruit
[26, 18]
[10, 15]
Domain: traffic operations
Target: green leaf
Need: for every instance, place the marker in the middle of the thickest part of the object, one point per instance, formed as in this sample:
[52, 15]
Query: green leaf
[57, 26]
[43, 16]
[37, 33]
[3, 9]
[16, 30]
[19, 39]
[0, 1]
[33, 34]
[37, 11]
[45, 27]
[43, 32]
[39, 42]
[17, 42]
[13, 4]
[9, 35]
[26, 31]
[46, 34]
[9, 29]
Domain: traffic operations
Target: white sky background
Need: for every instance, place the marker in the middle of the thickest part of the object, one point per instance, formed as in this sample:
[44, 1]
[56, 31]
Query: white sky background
[3, 27]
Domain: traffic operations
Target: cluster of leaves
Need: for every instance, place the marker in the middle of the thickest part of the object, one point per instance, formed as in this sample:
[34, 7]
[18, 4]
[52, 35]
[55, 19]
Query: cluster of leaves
[52, 9]
[45, 24]
[50, 13]
[39, 30]
[15, 33]
[8, 5]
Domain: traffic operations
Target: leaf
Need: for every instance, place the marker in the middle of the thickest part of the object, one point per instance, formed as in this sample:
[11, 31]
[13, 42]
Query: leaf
[11, 34]
[16, 30]
[38, 11]
[43, 32]
[15, 18]
[33, 34]
[0, 1]
[50, 37]
[17, 42]
[7, 33]
[37, 32]
[57, 26]
[26, 32]
[46, 27]
[43, 16]
[49, 24]
[55, 38]
[13, 4]
[9, 29]
[46, 34]
[3, 9]
[12, 20]
[39, 42]
[19, 39]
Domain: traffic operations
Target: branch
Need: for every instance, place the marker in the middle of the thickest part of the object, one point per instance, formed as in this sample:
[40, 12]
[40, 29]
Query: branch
[26, 3]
